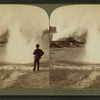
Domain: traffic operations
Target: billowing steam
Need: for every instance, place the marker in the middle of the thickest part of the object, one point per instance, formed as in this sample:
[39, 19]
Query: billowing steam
[93, 44]
[24, 26]
[79, 19]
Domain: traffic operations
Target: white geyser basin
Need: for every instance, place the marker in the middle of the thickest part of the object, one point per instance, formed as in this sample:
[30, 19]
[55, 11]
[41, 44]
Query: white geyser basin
[21, 28]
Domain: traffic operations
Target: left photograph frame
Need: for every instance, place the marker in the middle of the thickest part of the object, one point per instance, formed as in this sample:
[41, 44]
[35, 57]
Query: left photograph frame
[24, 48]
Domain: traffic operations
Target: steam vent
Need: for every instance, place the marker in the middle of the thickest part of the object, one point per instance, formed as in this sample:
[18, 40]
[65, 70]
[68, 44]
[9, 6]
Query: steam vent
[79, 27]
[21, 28]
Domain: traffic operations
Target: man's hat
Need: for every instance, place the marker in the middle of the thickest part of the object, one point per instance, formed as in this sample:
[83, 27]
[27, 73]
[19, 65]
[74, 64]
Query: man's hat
[37, 45]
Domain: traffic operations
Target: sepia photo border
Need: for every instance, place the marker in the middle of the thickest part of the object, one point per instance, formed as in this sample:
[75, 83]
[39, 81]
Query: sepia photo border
[49, 7]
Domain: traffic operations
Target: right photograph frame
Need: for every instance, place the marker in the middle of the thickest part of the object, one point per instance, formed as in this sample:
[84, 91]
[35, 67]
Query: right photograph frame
[74, 47]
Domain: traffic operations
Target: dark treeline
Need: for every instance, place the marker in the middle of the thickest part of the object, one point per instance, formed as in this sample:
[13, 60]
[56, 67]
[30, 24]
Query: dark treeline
[71, 41]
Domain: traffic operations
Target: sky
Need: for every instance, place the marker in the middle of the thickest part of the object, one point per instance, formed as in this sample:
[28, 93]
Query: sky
[25, 25]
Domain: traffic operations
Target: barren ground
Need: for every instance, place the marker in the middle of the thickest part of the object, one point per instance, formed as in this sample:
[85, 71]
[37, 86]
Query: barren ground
[22, 76]
[65, 73]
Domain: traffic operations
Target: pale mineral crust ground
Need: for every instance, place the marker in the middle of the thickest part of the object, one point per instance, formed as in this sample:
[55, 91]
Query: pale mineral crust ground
[23, 76]
[65, 73]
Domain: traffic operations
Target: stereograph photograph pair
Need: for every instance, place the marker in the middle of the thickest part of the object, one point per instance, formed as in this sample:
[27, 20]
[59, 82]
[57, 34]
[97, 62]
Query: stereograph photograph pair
[60, 51]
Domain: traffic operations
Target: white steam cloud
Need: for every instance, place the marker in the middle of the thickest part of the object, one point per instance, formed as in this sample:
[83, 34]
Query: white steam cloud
[25, 25]
[80, 19]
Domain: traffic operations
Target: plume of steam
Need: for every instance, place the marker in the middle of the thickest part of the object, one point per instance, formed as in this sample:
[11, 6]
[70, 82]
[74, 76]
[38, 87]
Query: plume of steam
[92, 51]
[24, 26]
[79, 19]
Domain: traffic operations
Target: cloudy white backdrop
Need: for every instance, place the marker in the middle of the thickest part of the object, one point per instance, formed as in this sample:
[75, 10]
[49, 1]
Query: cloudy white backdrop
[79, 19]
[24, 25]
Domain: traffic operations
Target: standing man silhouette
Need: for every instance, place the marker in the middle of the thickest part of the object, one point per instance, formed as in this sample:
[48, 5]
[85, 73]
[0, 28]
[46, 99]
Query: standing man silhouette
[38, 53]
